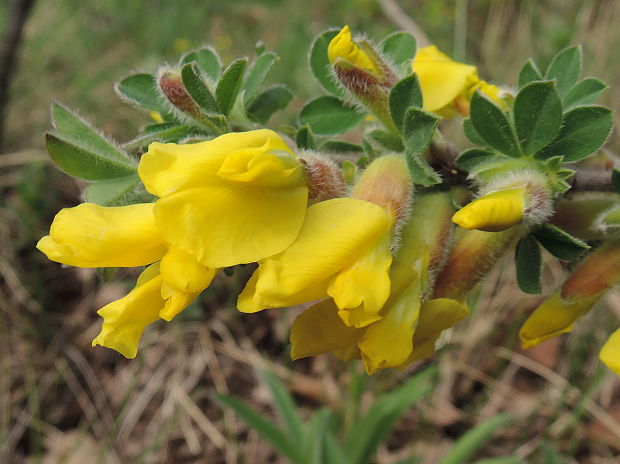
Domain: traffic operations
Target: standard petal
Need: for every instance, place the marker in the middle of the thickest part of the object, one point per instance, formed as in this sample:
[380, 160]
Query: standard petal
[169, 168]
[225, 226]
[319, 330]
[441, 79]
[334, 234]
[181, 271]
[361, 290]
[124, 320]
[553, 317]
[610, 354]
[388, 342]
[90, 235]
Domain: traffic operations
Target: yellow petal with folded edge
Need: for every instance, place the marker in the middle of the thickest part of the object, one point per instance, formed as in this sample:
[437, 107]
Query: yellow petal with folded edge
[169, 168]
[90, 235]
[610, 354]
[124, 320]
[361, 290]
[262, 168]
[441, 79]
[175, 301]
[493, 212]
[333, 235]
[181, 271]
[388, 342]
[223, 226]
[343, 47]
[436, 316]
[319, 330]
[553, 317]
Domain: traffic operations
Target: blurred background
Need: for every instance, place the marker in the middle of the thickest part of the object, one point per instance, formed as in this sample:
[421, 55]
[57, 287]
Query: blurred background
[63, 401]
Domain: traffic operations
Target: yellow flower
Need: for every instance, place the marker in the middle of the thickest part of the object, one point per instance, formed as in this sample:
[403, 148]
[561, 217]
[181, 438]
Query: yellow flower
[343, 250]
[319, 330]
[447, 85]
[553, 317]
[407, 328]
[493, 212]
[235, 199]
[343, 47]
[610, 354]
[90, 235]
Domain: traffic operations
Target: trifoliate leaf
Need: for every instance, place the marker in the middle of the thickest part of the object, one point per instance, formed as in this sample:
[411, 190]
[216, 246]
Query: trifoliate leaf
[305, 138]
[229, 85]
[528, 260]
[197, 89]
[565, 69]
[275, 98]
[319, 62]
[585, 92]
[558, 242]
[207, 60]
[493, 126]
[257, 75]
[328, 115]
[404, 95]
[400, 47]
[418, 129]
[529, 73]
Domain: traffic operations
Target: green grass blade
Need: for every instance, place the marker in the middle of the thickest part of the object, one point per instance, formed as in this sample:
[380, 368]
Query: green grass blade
[285, 405]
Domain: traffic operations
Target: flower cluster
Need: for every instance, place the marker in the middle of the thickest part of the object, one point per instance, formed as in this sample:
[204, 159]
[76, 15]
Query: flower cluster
[383, 243]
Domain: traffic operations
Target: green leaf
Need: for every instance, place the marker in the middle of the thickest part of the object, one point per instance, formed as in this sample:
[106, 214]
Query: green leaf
[70, 124]
[320, 445]
[615, 180]
[265, 428]
[492, 125]
[257, 75]
[328, 115]
[418, 129]
[405, 94]
[399, 47]
[529, 265]
[370, 430]
[559, 243]
[166, 134]
[421, 172]
[305, 138]
[229, 85]
[584, 130]
[275, 98]
[109, 192]
[471, 134]
[141, 90]
[349, 172]
[319, 63]
[207, 60]
[197, 89]
[387, 140]
[470, 159]
[85, 163]
[340, 146]
[538, 115]
[565, 69]
[285, 406]
[473, 440]
[585, 92]
[529, 73]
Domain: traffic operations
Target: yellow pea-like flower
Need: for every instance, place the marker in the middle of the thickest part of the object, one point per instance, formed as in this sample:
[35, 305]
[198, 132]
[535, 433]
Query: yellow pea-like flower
[343, 47]
[343, 250]
[493, 212]
[447, 85]
[610, 354]
[90, 235]
[238, 198]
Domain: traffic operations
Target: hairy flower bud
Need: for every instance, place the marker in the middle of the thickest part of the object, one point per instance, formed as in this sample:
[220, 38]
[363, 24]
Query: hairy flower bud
[363, 73]
[172, 87]
[523, 197]
[323, 177]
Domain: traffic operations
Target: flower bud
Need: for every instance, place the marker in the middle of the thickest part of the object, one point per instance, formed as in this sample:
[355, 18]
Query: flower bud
[363, 73]
[172, 87]
[473, 256]
[598, 272]
[323, 177]
[508, 203]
